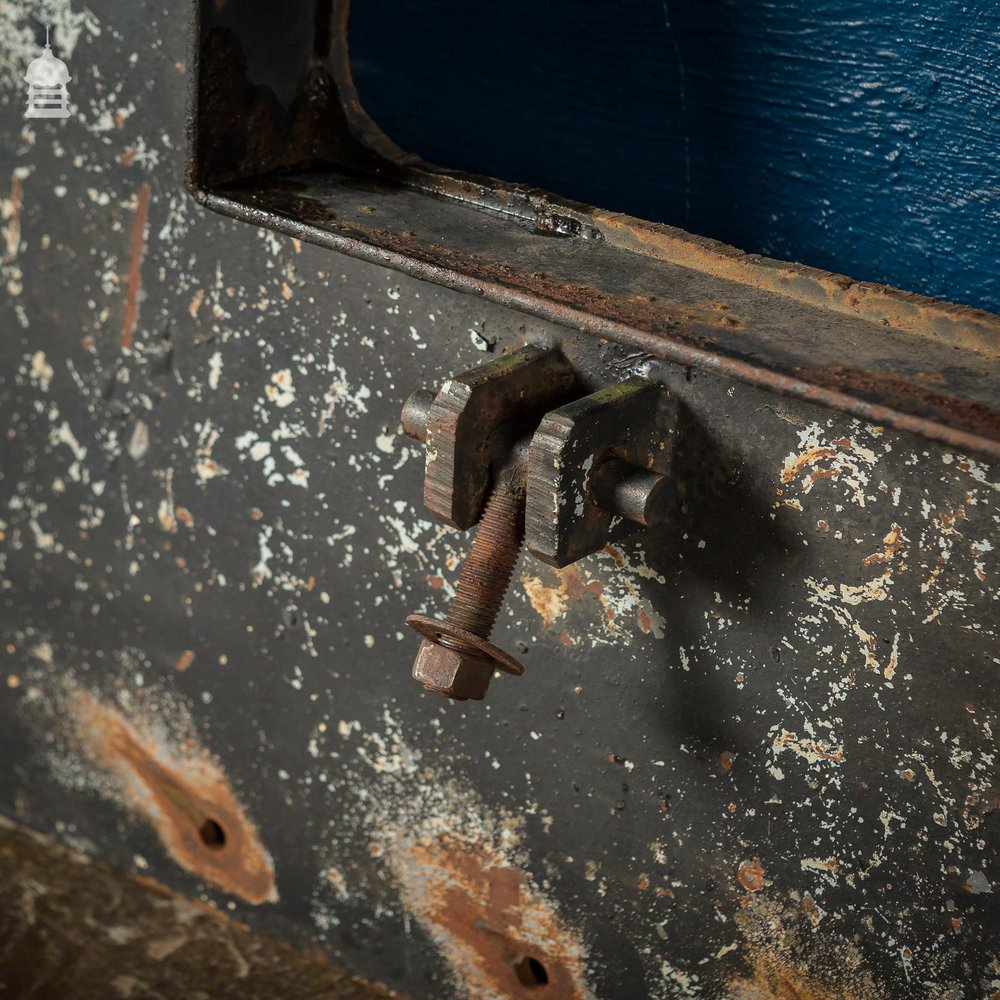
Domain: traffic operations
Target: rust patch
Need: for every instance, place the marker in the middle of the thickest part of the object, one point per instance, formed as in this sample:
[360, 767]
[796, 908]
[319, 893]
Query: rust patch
[788, 958]
[770, 982]
[645, 622]
[975, 415]
[549, 602]
[948, 518]
[961, 326]
[794, 466]
[811, 750]
[500, 935]
[184, 795]
[133, 275]
[812, 910]
[585, 603]
[576, 588]
[750, 875]
[892, 546]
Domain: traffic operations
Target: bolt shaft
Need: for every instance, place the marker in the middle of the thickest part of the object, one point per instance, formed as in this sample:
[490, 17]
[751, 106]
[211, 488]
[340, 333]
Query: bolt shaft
[490, 564]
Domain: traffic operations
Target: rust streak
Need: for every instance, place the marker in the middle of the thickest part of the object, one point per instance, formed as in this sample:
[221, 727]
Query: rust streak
[133, 275]
[184, 660]
[184, 795]
[13, 231]
[499, 934]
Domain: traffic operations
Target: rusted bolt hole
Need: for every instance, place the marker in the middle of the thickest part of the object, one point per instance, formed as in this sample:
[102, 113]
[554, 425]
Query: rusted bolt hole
[531, 972]
[212, 834]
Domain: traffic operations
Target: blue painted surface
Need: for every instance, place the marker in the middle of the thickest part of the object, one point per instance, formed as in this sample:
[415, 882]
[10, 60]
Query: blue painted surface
[862, 137]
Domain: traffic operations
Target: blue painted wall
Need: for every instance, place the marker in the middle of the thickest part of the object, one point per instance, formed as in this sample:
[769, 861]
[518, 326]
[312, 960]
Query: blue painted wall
[863, 137]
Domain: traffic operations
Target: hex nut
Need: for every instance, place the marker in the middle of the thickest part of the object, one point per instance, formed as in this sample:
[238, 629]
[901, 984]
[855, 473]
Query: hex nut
[452, 673]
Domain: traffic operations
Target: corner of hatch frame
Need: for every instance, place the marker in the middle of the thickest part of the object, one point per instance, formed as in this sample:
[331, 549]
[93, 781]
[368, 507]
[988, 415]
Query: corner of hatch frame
[277, 137]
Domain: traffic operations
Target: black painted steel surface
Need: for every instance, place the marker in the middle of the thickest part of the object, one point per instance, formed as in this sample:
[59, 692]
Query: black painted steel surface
[750, 756]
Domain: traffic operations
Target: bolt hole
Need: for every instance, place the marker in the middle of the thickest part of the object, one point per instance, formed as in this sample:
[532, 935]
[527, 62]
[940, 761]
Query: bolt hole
[212, 835]
[531, 972]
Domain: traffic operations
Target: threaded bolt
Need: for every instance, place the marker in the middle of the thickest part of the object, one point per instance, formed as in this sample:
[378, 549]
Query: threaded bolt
[456, 658]
[489, 566]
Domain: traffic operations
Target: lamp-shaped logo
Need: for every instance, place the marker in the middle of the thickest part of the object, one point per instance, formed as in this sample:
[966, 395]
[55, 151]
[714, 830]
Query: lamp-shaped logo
[47, 77]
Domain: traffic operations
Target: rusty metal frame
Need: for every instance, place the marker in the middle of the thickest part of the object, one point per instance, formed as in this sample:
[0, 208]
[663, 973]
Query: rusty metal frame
[311, 164]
